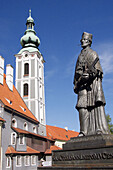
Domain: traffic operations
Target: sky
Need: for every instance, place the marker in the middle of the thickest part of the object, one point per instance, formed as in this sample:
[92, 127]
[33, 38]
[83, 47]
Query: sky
[59, 25]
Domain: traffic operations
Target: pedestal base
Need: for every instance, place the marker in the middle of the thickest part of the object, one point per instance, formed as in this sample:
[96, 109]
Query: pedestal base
[86, 152]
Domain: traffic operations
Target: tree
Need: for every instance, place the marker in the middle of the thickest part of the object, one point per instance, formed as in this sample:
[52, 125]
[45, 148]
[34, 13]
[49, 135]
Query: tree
[109, 121]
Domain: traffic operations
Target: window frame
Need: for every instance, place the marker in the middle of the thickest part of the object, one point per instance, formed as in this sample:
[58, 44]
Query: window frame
[18, 156]
[12, 137]
[26, 69]
[26, 128]
[26, 161]
[34, 129]
[21, 135]
[8, 162]
[15, 122]
[33, 164]
[25, 89]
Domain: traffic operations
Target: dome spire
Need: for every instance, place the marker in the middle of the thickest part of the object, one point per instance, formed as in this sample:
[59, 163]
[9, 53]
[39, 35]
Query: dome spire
[30, 13]
[30, 39]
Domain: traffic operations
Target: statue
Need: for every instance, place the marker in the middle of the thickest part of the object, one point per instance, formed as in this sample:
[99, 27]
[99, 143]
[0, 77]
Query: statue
[88, 85]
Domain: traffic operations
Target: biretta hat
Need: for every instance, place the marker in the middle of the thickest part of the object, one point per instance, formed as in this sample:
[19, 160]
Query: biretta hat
[88, 35]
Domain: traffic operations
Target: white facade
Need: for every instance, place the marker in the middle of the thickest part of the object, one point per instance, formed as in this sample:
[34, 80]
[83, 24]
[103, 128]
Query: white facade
[30, 75]
[59, 143]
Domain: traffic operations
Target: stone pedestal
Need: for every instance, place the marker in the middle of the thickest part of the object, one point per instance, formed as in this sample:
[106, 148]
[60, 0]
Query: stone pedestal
[88, 152]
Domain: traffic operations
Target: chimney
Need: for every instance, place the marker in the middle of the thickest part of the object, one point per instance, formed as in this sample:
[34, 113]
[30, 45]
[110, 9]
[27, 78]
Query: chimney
[9, 76]
[1, 69]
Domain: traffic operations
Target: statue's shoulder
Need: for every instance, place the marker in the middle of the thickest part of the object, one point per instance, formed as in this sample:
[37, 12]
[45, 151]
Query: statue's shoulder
[93, 54]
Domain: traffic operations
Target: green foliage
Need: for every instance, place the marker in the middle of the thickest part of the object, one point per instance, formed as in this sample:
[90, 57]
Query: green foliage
[109, 121]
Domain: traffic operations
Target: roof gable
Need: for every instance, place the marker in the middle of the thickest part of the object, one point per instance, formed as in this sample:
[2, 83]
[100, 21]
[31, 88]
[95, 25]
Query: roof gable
[13, 100]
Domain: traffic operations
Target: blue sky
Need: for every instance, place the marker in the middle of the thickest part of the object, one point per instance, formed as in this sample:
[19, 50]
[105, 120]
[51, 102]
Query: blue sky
[59, 25]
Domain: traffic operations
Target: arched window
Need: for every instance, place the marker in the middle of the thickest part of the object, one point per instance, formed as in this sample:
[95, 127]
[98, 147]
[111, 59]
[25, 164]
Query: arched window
[13, 138]
[26, 69]
[25, 126]
[14, 122]
[34, 129]
[25, 89]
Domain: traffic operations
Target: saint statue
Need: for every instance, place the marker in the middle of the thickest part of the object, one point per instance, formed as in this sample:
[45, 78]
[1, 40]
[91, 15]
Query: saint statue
[88, 85]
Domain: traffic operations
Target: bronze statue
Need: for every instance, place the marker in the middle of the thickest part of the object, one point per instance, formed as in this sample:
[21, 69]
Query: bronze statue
[88, 85]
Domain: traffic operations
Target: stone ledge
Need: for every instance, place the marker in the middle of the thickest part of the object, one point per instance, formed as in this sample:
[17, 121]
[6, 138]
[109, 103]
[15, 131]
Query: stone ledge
[92, 141]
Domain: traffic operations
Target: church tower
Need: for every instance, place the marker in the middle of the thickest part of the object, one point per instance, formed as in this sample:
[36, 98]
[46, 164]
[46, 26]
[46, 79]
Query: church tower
[30, 74]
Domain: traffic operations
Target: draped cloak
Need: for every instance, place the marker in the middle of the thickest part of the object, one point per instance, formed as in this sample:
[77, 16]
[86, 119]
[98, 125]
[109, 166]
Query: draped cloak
[90, 93]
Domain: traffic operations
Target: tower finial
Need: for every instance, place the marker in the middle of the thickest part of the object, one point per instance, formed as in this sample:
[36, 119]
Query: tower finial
[30, 13]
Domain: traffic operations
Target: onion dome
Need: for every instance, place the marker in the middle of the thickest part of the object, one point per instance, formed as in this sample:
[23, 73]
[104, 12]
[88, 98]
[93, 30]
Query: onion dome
[30, 39]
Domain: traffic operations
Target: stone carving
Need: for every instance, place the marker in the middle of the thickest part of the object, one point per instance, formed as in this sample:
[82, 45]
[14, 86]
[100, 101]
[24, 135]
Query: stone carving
[94, 156]
[88, 85]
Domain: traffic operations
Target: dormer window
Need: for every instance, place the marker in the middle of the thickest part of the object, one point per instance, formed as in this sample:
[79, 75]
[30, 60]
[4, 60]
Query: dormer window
[23, 109]
[26, 69]
[9, 101]
[14, 123]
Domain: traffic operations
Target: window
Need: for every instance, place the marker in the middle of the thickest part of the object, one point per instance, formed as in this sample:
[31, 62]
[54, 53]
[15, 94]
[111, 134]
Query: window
[26, 55]
[21, 139]
[8, 161]
[25, 126]
[25, 89]
[13, 138]
[40, 91]
[18, 160]
[14, 122]
[1, 107]
[34, 129]
[33, 160]
[27, 163]
[26, 69]
[40, 72]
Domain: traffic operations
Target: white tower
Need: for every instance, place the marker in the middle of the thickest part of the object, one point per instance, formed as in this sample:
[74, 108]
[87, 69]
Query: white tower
[30, 74]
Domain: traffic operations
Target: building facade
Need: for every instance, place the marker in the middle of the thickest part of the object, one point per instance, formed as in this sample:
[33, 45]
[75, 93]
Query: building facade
[21, 145]
[30, 74]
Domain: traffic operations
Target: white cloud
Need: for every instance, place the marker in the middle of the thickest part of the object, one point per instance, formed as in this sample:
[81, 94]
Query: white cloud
[49, 74]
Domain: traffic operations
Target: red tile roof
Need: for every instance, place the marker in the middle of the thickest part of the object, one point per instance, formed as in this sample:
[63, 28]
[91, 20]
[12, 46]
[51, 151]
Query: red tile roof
[16, 101]
[1, 119]
[58, 133]
[49, 151]
[30, 133]
[11, 150]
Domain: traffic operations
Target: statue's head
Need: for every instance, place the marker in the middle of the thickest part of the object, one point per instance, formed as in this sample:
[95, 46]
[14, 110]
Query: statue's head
[86, 39]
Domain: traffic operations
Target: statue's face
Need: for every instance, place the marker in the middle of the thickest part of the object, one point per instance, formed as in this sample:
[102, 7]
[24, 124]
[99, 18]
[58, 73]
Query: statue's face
[85, 41]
